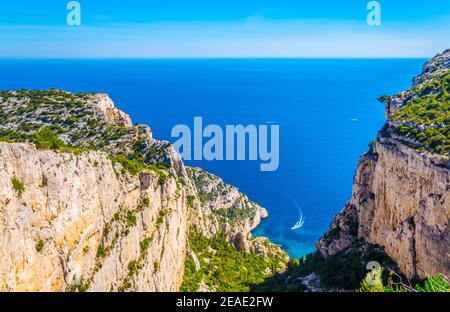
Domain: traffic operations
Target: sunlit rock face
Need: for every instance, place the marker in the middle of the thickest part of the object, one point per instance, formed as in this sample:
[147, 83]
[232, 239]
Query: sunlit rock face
[79, 216]
[401, 192]
[74, 206]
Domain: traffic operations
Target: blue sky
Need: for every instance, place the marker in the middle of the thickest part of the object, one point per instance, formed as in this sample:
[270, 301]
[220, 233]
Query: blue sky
[219, 28]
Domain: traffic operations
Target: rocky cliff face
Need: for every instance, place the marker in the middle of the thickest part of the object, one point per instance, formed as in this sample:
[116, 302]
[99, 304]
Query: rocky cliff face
[223, 209]
[108, 111]
[78, 224]
[89, 202]
[401, 189]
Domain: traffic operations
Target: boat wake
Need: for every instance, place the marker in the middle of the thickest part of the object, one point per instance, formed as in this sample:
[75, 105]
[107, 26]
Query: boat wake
[301, 219]
[299, 223]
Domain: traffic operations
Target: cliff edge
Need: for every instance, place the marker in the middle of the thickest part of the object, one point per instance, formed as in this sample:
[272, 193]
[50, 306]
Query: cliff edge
[89, 202]
[401, 190]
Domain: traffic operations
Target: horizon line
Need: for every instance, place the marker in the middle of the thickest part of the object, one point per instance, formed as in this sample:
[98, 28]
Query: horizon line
[217, 58]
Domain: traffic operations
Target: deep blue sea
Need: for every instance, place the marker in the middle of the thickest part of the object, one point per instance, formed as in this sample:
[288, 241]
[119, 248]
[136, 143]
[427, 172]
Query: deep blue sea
[327, 112]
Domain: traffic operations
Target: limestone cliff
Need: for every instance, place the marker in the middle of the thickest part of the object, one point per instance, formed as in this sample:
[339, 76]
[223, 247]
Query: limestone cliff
[89, 202]
[77, 223]
[401, 189]
[222, 208]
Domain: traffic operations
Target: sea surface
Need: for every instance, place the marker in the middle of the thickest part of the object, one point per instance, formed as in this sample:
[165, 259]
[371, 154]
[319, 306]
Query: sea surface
[326, 108]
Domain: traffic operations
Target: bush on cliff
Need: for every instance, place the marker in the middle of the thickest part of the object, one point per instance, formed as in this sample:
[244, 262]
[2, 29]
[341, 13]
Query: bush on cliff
[426, 116]
[46, 139]
[223, 267]
[342, 271]
[17, 185]
[373, 282]
[434, 284]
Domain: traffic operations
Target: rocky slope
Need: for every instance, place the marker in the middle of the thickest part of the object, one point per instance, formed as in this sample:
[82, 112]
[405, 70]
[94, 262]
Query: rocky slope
[401, 189]
[89, 202]
[221, 208]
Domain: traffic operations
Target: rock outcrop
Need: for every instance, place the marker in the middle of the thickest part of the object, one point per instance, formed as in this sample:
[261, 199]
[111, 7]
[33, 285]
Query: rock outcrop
[401, 191]
[77, 223]
[221, 208]
[89, 202]
[110, 113]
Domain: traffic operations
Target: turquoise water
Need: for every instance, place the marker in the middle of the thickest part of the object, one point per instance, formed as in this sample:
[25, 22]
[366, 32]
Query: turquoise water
[326, 109]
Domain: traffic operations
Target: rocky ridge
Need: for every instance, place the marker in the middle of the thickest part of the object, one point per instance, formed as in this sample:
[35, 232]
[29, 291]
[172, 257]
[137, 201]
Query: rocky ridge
[90, 202]
[401, 190]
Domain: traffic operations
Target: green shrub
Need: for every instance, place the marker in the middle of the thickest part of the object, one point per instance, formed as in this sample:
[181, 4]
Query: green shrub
[192, 278]
[430, 107]
[374, 283]
[39, 246]
[190, 201]
[46, 139]
[130, 218]
[144, 244]
[342, 271]
[434, 284]
[80, 286]
[223, 267]
[159, 220]
[384, 99]
[101, 251]
[17, 185]
[163, 178]
[132, 266]
[235, 214]
[133, 166]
